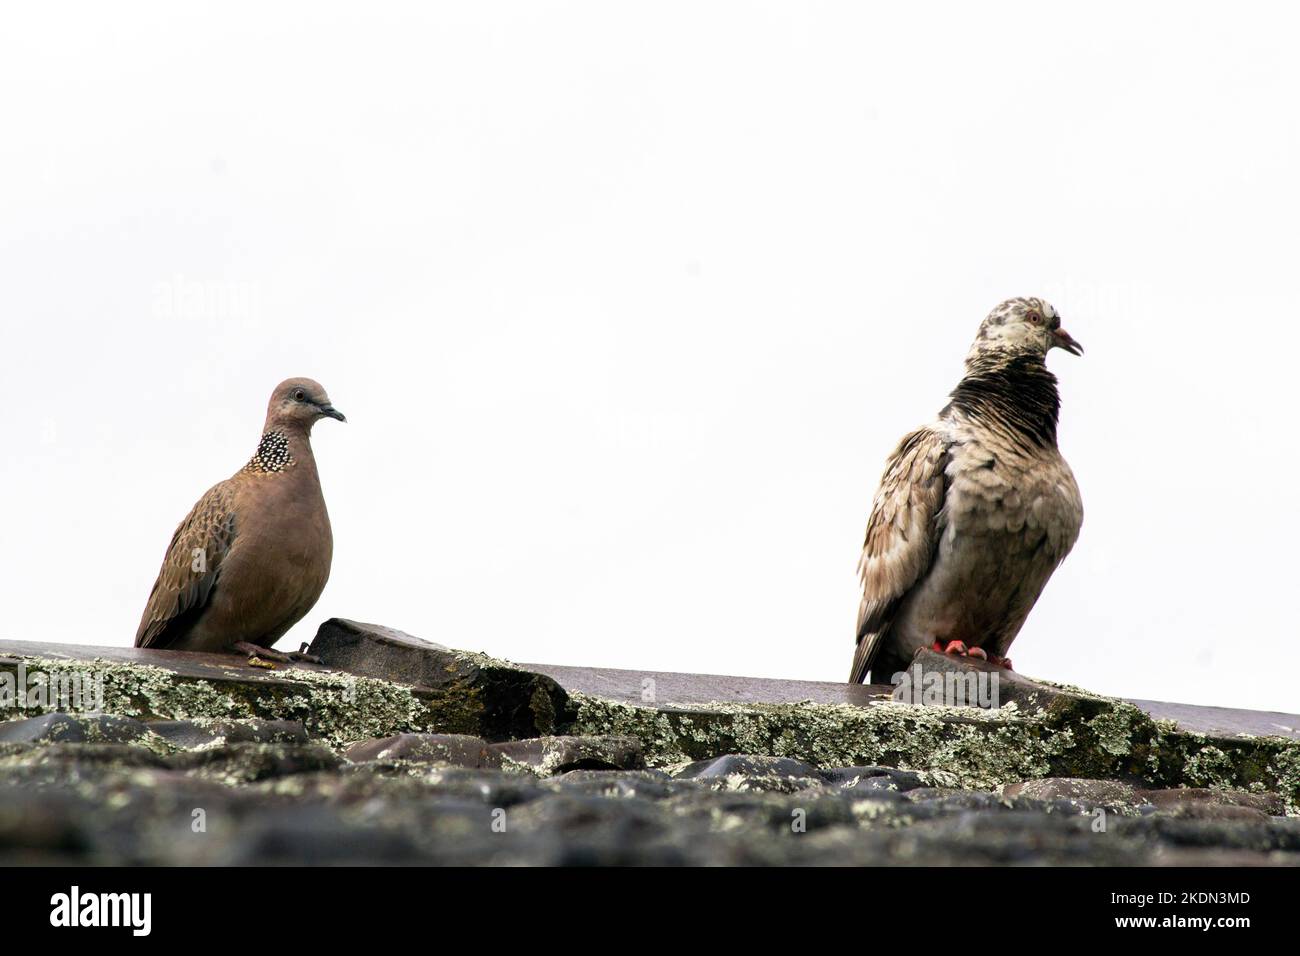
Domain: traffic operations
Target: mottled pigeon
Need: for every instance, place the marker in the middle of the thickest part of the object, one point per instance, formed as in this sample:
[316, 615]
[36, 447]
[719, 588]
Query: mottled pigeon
[976, 510]
[253, 555]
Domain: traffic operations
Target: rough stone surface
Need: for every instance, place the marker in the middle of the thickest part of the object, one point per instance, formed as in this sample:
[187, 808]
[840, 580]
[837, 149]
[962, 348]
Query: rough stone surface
[1012, 688]
[209, 764]
[159, 735]
[64, 728]
[286, 803]
[874, 778]
[472, 693]
[752, 772]
[332, 706]
[188, 734]
[248, 762]
[1194, 801]
[550, 755]
[443, 750]
[1075, 735]
[1088, 793]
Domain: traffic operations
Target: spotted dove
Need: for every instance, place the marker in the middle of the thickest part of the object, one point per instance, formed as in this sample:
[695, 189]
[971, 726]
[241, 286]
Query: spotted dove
[976, 510]
[253, 555]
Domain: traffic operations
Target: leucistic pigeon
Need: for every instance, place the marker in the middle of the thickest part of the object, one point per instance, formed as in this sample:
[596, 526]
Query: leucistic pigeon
[976, 510]
[253, 555]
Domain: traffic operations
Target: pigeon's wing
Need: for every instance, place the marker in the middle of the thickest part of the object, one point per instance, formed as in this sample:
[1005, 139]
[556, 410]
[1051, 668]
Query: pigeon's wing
[190, 570]
[901, 537]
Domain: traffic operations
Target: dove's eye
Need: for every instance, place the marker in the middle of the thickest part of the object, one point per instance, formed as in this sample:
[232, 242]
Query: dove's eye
[300, 395]
[1035, 318]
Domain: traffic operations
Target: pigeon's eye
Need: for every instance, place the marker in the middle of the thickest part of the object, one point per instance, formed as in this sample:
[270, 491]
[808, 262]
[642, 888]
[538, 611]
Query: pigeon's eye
[1035, 318]
[299, 395]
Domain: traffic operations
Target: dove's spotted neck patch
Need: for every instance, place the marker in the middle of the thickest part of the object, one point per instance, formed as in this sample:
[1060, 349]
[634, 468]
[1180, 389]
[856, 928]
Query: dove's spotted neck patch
[272, 454]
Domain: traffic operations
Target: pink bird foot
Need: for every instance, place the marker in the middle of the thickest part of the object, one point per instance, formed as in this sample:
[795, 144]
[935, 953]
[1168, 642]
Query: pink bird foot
[952, 647]
[959, 649]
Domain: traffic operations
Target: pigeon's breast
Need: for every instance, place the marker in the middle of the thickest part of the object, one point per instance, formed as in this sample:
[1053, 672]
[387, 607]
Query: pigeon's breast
[1011, 513]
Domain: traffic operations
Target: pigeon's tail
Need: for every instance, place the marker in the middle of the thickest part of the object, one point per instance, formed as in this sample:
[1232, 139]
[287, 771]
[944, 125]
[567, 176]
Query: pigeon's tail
[860, 665]
[863, 656]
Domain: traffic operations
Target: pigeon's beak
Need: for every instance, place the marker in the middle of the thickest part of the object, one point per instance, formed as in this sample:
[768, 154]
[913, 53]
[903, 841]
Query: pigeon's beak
[329, 411]
[1061, 339]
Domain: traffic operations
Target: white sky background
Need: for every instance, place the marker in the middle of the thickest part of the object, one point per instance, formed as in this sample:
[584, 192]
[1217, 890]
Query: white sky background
[627, 304]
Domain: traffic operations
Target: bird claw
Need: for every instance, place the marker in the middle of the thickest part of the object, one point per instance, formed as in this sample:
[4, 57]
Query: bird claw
[253, 651]
[259, 656]
[301, 654]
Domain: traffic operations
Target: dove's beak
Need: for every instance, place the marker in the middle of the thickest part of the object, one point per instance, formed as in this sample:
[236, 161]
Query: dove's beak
[329, 411]
[1061, 339]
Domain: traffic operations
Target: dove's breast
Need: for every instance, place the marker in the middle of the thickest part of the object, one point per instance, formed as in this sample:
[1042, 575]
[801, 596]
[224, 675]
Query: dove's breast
[1011, 513]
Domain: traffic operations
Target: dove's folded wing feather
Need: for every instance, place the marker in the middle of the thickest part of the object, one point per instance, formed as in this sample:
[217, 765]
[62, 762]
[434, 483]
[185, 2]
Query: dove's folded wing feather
[190, 569]
[901, 537]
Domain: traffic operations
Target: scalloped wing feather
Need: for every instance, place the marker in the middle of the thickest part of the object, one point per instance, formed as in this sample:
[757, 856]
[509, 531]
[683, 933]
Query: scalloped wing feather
[901, 536]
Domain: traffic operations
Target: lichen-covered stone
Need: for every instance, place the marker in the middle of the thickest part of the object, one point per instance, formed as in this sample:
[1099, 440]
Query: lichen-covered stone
[242, 769]
[76, 760]
[468, 693]
[1077, 735]
[46, 728]
[975, 748]
[1193, 799]
[627, 784]
[1087, 793]
[201, 733]
[239, 763]
[873, 778]
[277, 803]
[65, 728]
[752, 772]
[551, 755]
[446, 750]
[334, 708]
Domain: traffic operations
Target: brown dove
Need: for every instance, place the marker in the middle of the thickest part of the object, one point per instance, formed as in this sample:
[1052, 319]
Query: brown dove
[976, 510]
[253, 555]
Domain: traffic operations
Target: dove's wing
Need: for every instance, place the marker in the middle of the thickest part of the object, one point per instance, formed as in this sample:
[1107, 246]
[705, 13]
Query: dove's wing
[901, 537]
[190, 570]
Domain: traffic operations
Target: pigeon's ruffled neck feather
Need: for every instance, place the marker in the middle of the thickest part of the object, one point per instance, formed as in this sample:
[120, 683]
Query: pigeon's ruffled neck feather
[1013, 390]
